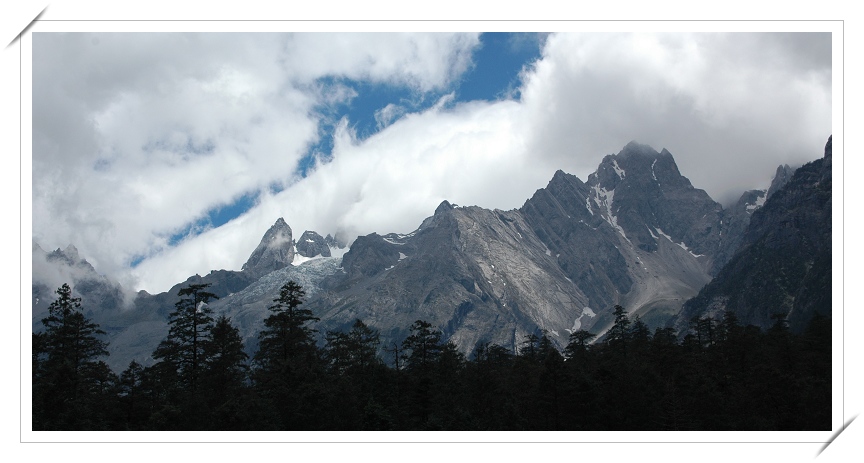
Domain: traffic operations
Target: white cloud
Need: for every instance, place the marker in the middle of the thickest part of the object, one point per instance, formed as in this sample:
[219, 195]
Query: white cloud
[423, 62]
[137, 135]
[386, 115]
[730, 108]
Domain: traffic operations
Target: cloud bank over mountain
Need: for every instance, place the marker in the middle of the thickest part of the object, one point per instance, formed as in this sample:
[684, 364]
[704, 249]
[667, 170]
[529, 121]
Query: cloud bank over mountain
[138, 137]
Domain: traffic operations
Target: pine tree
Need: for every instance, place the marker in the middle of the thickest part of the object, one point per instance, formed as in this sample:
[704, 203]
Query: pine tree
[286, 335]
[354, 351]
[132, 397]
[226, 369]
[639, 333]
[67, 377]
[287, 364]
[550, 384]
[225, 375]
[424, 344]
[620, 330]
[185, 348]
[578, 343]
[530, 347]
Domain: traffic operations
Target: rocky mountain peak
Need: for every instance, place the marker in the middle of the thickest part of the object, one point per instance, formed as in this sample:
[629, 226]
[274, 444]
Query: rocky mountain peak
[370, 255]
[643, 196]
[640, 166]
[68, 256]
[311, 244]
[781, 178]
[559, 177]
[443, 207]
[275, 251]
[72, 253]
[635, 148]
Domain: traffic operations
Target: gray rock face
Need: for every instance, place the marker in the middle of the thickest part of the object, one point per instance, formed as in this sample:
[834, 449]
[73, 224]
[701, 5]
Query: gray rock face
[735, 221]
[247, 308]
[332, 242]
[370, 255]
[784, 262]
[275, 251]
[311, 244]
[479, 275]
[737, 217]
[636, 233]
[781, 178]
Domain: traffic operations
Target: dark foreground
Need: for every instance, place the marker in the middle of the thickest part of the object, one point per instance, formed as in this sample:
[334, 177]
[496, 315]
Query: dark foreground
[721, 376]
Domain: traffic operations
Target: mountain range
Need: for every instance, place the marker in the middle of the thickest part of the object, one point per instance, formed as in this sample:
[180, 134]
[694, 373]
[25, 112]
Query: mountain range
[635, 233]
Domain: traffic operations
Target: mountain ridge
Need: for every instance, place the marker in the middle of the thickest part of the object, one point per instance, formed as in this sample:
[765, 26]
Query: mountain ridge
[783, 265]
[635, 233]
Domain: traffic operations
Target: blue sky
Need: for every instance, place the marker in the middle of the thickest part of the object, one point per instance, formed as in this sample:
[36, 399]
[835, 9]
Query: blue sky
[497, 63]
[162, 155]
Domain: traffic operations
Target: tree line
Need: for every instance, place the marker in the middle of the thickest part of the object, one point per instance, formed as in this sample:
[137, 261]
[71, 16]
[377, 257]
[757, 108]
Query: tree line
[720, 376]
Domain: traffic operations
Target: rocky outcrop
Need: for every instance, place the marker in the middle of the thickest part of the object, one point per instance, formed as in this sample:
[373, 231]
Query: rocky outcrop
[733, 224]
[737, 217]
[275, 251]
[781, 178]
[311, 244]
[783, 266]
[478, 274]
[636, 233]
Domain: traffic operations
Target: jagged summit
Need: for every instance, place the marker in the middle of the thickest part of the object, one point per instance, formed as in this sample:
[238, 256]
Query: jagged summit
[311, 244]
[635, 147]
[72, 253]
[275, 251]
[68, 256]
[781, 178]
[642, 194]
[645, 166]
[444, 206]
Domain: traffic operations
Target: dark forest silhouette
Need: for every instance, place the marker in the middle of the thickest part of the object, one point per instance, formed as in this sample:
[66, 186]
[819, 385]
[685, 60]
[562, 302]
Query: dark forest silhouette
[720, 376]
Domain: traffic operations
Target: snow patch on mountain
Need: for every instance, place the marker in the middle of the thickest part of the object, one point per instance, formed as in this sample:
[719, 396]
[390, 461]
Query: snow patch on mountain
[651, 232]
[681, 244]
[608, 196]
[577, 324]
[759, 202]
[618, 170]
[338, 252]
[299, 259]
